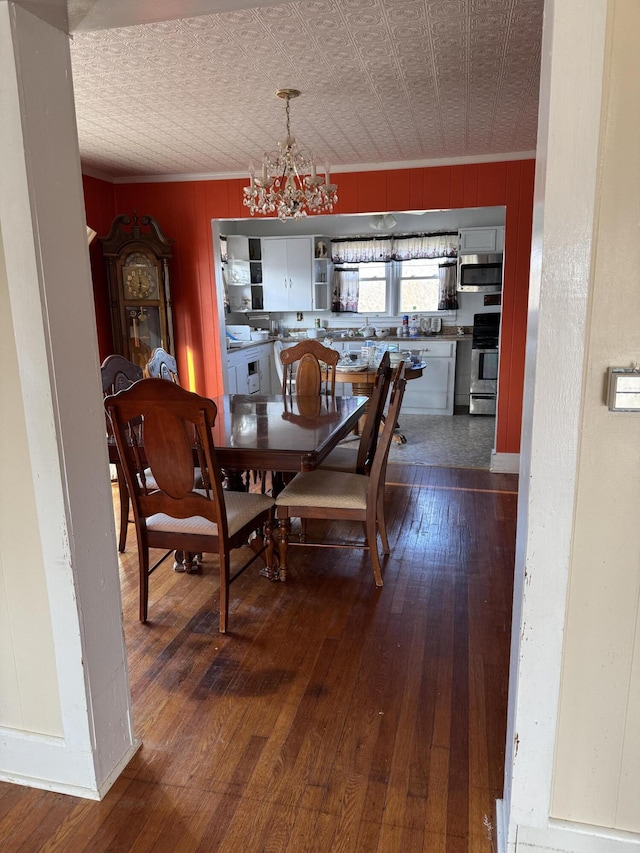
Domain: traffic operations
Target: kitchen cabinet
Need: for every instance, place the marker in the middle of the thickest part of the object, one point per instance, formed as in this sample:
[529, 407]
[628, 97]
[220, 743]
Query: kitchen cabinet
[249, 370]
[473, 241]
[243, 273]
[265, 361]
[287, 273]
[433, 393]
[322, 273]
[232, 376]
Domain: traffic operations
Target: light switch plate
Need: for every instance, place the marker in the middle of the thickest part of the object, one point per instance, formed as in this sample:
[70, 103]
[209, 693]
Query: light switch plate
[624, 389]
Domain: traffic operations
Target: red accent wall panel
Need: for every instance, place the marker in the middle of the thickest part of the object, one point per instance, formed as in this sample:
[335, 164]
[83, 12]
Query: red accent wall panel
[470, 186]
[398, 184]
[347, 193]
[436, 188]
[99, 203]
[185, 211]
[217, 198]
[372, 192]
[456, 198]
[492, 184]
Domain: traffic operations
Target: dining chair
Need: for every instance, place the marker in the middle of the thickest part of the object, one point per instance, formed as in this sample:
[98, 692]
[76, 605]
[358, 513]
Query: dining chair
[344, 459]
[117, 373]
[309, 368]
[341, 495]
[162, 365]
[161, 427]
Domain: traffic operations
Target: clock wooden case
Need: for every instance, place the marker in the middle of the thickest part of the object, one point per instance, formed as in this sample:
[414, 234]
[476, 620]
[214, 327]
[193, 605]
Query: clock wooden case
[137, 255]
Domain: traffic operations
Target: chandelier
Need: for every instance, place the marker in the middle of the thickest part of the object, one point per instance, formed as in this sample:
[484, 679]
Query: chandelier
[289, 184]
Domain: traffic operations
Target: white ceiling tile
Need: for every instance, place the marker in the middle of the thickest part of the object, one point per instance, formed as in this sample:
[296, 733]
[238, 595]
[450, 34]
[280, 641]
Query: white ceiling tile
[381, 81]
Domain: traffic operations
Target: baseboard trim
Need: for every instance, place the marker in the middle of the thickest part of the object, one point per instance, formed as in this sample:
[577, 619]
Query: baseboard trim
[566, 837]
[68, 770]
[505, 463]
[501, 829]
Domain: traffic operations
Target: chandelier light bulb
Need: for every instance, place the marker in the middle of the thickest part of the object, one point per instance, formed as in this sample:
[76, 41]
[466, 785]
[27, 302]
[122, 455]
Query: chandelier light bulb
[289, 185]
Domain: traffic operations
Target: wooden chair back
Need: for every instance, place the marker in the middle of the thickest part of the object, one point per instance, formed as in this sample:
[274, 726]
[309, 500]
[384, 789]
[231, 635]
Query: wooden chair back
[157, 425]
[309, 368]
[162, 365]
[118, 373]
[165, 432]
[375, 412]
[378, 471]
[337, 495]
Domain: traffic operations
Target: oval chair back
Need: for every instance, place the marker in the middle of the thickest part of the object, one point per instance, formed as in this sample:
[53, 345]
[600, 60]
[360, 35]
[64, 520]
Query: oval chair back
[309, 368]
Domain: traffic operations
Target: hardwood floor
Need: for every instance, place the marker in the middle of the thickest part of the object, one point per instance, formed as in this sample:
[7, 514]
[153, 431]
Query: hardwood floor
[333, 716]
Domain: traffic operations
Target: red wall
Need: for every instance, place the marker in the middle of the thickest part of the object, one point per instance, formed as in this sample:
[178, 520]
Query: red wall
[100, 209]
[185, 210]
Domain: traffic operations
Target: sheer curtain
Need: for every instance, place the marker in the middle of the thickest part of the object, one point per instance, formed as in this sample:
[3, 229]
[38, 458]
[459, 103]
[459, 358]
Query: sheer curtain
[448, 297]
[403, 247]
[344, 291]
[361, 250]
[418, 246]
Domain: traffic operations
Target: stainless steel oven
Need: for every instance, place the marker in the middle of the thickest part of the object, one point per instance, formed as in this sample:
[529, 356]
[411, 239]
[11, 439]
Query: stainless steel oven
[484, 364]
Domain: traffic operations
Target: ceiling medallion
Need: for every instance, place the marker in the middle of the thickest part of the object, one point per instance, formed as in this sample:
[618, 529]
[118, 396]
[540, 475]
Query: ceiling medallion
[289, 185]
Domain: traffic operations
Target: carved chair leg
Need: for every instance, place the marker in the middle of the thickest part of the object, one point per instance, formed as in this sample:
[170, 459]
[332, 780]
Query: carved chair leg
[372, 541]
[382, 526]
[123, 494]
[224, 591]
[143, 570]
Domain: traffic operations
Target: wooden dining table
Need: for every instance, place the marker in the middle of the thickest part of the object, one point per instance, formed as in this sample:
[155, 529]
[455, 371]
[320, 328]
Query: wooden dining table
[286, 434]
[283, 434]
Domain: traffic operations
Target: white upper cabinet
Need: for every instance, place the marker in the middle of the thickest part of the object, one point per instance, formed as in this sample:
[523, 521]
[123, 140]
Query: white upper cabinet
[472, 241]
[287, 273]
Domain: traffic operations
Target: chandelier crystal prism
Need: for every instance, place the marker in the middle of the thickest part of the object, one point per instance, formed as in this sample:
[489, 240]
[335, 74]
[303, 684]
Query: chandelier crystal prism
[289, 184]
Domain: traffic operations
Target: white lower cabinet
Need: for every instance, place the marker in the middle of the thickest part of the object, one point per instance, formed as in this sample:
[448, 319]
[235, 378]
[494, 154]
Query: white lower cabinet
[232, 376]
[264, 367]
[434, 392]
[249, 370]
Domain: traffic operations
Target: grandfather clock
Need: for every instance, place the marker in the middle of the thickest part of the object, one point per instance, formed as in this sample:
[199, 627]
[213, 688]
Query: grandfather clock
[137, 255]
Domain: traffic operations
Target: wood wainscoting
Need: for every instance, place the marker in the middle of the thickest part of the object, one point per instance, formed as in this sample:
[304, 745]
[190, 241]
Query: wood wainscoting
[333, 716]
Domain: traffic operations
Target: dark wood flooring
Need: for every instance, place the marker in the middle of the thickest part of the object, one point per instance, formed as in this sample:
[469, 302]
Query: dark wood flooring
[333, 716]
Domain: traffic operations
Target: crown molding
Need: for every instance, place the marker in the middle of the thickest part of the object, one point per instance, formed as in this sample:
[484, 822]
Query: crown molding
[336, 170]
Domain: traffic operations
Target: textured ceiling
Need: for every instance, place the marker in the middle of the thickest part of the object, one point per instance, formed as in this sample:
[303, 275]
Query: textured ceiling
[382, 81]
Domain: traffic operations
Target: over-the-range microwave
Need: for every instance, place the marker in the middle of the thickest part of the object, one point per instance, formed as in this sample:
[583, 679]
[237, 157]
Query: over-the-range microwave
[480, 273]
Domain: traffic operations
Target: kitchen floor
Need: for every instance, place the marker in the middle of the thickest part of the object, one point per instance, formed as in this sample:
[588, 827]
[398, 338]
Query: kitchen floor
[461, 441]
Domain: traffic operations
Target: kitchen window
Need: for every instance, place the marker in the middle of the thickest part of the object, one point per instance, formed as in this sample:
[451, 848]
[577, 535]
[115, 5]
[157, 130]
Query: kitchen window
[398, 287]
[373, 288]
[419, 285]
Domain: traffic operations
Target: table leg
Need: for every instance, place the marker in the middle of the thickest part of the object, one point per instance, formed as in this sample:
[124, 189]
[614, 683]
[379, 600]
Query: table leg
[284, 528]
[234, 480]
[271, 568]
[185, 561]
[362, 389]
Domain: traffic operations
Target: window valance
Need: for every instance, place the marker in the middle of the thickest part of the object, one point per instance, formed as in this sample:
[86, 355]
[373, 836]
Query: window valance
[402, 247]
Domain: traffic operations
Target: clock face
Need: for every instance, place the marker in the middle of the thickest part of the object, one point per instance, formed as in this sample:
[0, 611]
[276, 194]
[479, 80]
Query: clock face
[139, 278]
[137, 284]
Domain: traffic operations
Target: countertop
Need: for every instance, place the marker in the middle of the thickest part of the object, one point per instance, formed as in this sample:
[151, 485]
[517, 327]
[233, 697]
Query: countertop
[357, 339]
